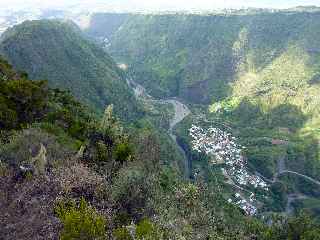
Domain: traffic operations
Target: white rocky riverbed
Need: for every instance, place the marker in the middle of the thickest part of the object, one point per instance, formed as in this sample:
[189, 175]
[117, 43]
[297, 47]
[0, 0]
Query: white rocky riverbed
[181, 111]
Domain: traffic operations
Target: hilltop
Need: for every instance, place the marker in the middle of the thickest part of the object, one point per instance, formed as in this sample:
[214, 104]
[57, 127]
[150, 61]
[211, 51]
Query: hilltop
[58, 52]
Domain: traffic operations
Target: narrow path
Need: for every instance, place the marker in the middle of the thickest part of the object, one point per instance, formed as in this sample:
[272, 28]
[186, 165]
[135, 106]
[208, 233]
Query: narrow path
[281, 170]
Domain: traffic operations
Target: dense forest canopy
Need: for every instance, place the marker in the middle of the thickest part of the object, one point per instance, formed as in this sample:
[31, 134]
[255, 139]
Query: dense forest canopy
[58, 52]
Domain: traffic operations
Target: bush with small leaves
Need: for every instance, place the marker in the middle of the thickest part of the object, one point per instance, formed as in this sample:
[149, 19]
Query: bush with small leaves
[80, 222]
[187, 195]
[146, 230]
[22, 102]
[102, 152]
[122, 219]
[123, 152]
[24, 145]
[122, 234]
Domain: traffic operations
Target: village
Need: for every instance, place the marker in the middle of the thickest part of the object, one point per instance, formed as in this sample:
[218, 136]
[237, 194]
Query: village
[223, 150]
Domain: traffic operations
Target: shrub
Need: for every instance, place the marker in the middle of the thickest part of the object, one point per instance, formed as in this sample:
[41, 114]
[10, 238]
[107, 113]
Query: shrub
[8, 117]
[3, 169]
[24, 145]
[122, 234]
[102, 152]
[122, 219]
[123, 152]
[61, 136]
[145, 230]
[80, 222]
[187, 194]
[131, 190]
[168, 179]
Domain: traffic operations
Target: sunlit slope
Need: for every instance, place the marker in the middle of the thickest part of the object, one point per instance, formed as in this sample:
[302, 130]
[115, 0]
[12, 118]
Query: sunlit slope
[196, 57]
[259, 74]
[276, 111]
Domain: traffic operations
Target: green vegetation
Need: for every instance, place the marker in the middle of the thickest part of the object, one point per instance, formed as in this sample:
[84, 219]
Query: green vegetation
[58, 52]
[21, 101]
[258, 74]
[103, 25]
[122, 234]
[145, 229]
[195, 57]
[114, 187]
[100, 178]
[80, 222]
[311, 204]
[274, 112]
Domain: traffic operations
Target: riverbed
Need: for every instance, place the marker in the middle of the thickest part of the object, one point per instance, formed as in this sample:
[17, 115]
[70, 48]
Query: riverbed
[181, 111]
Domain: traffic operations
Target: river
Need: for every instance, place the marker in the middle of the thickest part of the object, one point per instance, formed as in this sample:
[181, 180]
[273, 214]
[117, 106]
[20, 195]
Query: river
[181, 111]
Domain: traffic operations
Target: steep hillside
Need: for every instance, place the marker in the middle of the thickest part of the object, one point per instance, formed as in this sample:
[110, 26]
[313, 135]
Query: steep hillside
[278, 103]
[255, 74]
[65, 174]
[195, 57]
[49, 190]
[57, 51]
[103, 25]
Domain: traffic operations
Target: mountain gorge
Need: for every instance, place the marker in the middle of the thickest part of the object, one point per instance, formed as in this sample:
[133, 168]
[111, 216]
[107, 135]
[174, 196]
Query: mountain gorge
[254, 74]
[162, 126]
[52, 190]
[195, 57]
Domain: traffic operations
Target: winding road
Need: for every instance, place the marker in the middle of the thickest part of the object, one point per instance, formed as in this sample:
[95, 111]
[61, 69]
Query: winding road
[281, 170]
[301, 175]
[181, 111]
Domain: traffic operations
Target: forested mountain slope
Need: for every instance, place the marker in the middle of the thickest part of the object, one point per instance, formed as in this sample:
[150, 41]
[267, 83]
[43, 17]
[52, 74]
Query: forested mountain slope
[256, 74]
[51, 188]
[253, 76]
[195, 57]
[103, 25]
[58, 52]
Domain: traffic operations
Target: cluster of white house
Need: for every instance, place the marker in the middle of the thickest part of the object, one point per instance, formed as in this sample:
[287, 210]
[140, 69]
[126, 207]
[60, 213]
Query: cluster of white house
[240, 175]
[246, 205]
[223, 149]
